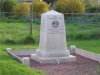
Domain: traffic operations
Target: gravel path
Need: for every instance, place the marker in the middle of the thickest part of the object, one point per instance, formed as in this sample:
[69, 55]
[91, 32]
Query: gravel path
[82, 66]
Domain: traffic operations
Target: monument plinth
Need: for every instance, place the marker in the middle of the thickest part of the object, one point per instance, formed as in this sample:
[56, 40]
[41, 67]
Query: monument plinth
[52, 45]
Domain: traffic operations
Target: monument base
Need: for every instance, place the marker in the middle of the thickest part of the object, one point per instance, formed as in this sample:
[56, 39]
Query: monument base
[53, 60]
[54, 53]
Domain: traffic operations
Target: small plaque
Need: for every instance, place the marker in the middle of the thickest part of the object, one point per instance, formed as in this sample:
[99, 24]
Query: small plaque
[55, 24]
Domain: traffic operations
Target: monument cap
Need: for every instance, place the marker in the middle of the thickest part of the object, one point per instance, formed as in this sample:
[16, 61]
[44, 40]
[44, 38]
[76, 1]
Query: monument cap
[52, 12]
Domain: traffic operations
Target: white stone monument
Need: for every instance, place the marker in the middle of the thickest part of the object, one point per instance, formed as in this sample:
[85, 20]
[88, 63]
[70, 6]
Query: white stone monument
[52, 47]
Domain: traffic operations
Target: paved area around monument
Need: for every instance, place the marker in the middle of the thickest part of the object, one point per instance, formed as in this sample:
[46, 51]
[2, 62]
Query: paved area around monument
[83, 66]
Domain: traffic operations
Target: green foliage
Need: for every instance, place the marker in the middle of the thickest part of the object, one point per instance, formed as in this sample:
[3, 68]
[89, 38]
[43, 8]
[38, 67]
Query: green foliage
[11, 30]
[39, 7]
[92, 6]
[83, 32]
[7, 6]
[70, 6]
[89, 45]
[21, 9]
[61, 6]
[0, 5]
[7, 68]
[17, 32]
[28, 40]
[10, 41]
[84, 35]
[89, 3]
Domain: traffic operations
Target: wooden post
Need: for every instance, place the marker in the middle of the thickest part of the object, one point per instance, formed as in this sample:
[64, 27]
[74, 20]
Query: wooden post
[31, 19]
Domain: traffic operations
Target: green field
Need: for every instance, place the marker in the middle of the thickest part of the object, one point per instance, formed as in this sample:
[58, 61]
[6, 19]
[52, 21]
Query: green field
[17, 33]
[8, 33]
[14, 34]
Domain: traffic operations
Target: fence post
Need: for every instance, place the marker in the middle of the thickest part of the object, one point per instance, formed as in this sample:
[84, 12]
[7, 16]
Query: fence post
[31, 19]
[72, 48]
[26, 61]
[99, 58]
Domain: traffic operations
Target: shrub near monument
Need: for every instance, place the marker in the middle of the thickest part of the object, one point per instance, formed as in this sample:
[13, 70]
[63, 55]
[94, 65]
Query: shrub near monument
[39, 7]
[21, 9]
[6, 5]
[70, 6]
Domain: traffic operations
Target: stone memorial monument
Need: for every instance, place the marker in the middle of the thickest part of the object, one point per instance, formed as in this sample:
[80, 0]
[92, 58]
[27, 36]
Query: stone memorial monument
[52, 47]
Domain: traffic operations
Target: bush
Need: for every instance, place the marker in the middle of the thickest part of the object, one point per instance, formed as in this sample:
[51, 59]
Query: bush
[94, 10]
[10, 41]
[39, 7]
[70, 6]
[0, 5]
[28, 40]
[92, 6]
[7, 6]
[21, 9]
[89, 3]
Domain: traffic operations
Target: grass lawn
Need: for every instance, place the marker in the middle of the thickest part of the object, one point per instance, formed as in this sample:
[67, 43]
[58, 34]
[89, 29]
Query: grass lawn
[9, 66]
[13, 34]
[89, 45]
